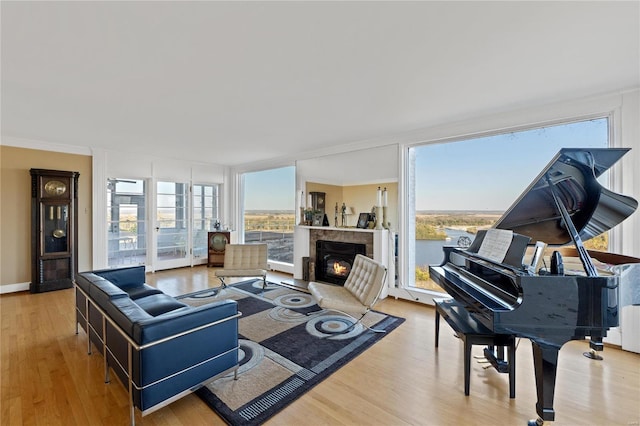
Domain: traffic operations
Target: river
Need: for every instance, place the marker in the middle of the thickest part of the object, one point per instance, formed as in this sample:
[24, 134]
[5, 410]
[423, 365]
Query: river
[429, 252]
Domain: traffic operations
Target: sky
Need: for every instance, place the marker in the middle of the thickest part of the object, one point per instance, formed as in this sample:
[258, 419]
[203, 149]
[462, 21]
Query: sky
[490, 173]
[273, 189]
[487, 173]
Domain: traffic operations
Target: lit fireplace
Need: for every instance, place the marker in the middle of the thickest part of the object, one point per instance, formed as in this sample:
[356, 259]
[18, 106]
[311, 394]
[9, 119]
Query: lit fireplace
[334, 260]
[340, 268]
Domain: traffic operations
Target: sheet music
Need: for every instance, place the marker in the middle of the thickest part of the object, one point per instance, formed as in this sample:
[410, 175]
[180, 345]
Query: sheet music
[495, 244]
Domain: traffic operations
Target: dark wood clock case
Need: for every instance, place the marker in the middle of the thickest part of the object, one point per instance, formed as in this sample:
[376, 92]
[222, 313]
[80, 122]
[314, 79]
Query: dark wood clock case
[54, 229]
[216, 243]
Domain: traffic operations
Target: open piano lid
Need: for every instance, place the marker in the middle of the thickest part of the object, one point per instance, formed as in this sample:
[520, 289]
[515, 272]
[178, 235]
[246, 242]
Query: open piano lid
[573, 174]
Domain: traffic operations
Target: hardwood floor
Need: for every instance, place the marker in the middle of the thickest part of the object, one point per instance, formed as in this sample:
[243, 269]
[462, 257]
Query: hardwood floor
[47, 378]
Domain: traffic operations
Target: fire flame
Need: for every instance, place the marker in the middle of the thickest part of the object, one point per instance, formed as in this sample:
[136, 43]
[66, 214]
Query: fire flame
[338, 269]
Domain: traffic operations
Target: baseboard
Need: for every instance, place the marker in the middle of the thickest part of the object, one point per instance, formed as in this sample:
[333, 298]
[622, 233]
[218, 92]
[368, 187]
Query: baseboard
[14, 288]
[286, 268]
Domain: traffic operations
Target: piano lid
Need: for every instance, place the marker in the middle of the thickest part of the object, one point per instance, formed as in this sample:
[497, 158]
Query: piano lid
[573, 173]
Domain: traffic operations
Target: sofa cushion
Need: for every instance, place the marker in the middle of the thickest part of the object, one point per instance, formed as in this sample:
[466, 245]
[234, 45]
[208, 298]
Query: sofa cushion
[139, 291]
[124, 277]
[125, 312]
[158, 304]
[103, 292]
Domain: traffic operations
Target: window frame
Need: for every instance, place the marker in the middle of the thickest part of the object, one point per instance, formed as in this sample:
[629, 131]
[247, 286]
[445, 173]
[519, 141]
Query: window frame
[478, 129]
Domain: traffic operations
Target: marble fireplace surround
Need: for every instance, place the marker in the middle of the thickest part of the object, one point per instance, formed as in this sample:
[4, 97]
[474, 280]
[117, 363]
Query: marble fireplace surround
[377, 243]
[343, 237]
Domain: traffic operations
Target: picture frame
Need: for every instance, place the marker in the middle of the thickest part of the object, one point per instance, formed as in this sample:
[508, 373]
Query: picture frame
[363, 221]
[317, 219]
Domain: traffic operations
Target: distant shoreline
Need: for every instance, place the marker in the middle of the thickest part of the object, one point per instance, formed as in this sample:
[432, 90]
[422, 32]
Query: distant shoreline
[459, 212]
[418, 213]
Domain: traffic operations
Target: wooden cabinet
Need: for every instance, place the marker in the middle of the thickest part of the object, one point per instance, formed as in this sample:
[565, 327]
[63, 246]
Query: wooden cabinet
[54, 236]
[216, 242]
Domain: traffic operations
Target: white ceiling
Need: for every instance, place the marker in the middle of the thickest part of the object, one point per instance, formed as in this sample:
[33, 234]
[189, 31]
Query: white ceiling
[235, 83]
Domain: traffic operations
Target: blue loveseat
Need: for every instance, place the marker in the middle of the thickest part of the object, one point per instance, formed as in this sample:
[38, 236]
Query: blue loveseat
[160, 348]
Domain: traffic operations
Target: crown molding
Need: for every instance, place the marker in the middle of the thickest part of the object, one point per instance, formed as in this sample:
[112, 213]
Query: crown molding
[45, 145]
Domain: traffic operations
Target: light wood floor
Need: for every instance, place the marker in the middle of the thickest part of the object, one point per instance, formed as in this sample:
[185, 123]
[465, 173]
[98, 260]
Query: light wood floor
[47, 378]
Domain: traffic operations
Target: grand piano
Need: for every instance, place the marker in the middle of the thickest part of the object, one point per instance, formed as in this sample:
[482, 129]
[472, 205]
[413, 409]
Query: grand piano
[546, 304]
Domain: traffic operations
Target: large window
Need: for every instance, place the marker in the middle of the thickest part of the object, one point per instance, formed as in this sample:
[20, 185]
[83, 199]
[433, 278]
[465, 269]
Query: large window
[461, 186]
[269, 211]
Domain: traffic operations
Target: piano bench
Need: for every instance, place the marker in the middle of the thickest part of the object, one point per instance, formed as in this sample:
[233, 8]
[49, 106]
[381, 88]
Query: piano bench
[472, 332]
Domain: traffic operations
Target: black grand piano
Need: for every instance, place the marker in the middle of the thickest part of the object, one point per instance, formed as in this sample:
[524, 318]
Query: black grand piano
[564, 204]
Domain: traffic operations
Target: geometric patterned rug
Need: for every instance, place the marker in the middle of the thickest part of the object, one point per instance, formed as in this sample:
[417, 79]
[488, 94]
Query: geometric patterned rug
[285, 349]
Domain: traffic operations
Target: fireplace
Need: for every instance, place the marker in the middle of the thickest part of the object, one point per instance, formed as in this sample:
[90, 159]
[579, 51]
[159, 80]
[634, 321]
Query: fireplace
[334, 260]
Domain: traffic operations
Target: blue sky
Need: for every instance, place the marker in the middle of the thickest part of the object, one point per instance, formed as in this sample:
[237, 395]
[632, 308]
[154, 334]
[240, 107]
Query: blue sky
[487, 173]
[490, 173]
[271, 189]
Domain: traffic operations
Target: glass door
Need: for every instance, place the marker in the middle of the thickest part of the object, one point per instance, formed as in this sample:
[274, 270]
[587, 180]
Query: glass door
[171, 236]
[205, 219]
[126, 222]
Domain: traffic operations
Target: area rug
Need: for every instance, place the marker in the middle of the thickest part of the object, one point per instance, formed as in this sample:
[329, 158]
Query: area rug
[286, 347]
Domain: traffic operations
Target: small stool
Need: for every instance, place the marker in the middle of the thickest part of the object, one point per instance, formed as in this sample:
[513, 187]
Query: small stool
[472, 332]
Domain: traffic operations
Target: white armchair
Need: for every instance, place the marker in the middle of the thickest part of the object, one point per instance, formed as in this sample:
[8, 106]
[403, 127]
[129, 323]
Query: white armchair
[360, 292]
[244, 260]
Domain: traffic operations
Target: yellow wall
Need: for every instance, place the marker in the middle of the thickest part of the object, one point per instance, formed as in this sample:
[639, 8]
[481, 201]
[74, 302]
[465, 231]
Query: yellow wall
[361, 197]
[15, 208]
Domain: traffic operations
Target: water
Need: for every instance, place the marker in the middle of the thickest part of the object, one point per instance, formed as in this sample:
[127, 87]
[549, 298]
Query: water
[429, 252]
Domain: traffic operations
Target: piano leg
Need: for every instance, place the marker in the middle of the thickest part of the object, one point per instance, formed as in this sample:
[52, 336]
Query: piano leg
[545, 361]
[595, 345]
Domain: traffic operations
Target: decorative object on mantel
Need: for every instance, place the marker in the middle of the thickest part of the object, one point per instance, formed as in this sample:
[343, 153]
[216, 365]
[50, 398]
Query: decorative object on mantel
[373, 218]
[317, 218]
[344, 214]
[385, 202]
[302, 212]
[349, 212]
[308, 213]
[378, 209]
[335, 216]
[363, 221]
[317, 201]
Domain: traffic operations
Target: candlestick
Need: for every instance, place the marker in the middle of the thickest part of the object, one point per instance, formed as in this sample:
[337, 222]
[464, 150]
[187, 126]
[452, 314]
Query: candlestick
[379, 198]
[302, 218]
[385, 224]
[378, 217]
[385, 199]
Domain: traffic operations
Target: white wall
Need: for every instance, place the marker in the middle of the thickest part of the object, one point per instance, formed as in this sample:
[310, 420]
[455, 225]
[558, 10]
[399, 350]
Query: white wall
[344, 168]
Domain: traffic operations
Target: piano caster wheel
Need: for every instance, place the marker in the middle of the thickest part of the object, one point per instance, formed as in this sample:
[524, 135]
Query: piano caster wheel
[592, 355]
[535, 422]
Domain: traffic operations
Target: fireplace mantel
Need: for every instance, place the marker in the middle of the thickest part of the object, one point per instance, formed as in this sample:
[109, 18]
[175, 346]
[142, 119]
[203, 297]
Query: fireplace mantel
[338, 228]
[380, 245]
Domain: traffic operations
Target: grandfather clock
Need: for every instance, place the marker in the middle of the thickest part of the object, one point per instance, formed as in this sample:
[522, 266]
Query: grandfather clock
[54, 226]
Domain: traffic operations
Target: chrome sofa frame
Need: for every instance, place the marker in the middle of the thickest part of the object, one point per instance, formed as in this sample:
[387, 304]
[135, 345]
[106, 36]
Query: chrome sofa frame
[133, 346]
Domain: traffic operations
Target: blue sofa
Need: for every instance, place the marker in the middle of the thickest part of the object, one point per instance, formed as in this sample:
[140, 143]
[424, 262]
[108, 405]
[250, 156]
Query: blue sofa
[160, 348]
